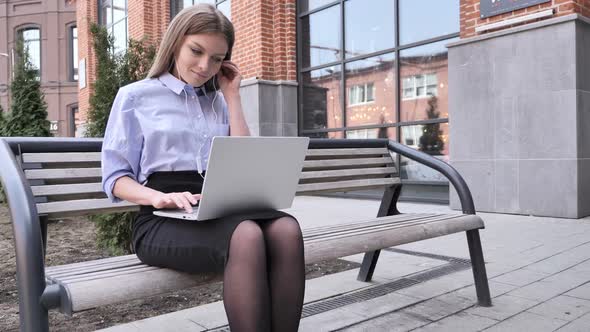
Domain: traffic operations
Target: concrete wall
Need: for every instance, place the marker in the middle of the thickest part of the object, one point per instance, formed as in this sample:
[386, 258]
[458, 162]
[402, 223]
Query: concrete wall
[270, 107]
[519, 118]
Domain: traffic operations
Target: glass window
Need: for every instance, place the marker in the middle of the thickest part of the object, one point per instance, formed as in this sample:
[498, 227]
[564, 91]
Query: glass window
[430, 138]
[307, 5]
[114, 18]
[321, 37]
[425, 19]
[369, 29]
[370, 85]
[223, 5]
[424, 73]
[74, 53]
[31, 38]
[321, 99]
[225, 8]
[400, 87]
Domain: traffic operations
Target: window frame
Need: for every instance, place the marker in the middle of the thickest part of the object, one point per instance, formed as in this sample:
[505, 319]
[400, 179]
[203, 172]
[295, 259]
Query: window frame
[110, 27]
[72, 66]
[415, 86]
[18, 33]
[174, 9]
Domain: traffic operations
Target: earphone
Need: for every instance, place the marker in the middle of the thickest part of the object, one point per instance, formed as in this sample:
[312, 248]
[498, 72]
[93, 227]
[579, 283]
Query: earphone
[199, 162]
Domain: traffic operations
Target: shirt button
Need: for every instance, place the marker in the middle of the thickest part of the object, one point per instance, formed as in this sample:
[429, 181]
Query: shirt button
[194, 97]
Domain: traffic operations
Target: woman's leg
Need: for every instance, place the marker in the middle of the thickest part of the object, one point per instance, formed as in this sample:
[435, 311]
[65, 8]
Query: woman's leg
[286, 266]
[245, 284]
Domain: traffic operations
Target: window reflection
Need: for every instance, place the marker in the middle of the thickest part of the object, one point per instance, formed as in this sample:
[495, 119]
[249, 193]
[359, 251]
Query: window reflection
[424, 82]
[177, 5]
[370, 88]
[321, 37]
[369, 28]
[225, 8]
[307, 5]
[430, 138]
[321, 100]
[425, 19]
[31, 38]
[114, 18]
[74, 54]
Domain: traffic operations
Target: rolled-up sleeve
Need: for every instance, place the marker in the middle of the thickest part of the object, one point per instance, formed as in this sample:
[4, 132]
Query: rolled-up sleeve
[122, 144]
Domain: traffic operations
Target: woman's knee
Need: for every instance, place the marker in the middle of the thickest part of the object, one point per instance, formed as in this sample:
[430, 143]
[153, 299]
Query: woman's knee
[284, 229]
[247, 232]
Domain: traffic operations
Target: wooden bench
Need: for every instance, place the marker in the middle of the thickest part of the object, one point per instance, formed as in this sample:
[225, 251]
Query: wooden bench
[47, 178]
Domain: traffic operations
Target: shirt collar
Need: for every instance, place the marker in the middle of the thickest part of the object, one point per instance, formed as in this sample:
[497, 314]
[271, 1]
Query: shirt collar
[177, 85]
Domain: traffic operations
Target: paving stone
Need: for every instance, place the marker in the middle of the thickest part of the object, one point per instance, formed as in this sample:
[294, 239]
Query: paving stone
[330, 320]
[563, 307]
[503, 307]
[582, 292]
[562, 261]
[336, 284]
[460, 322]
[579, 325]
[381, 305]
[552, 286]
[527, 321]
[438, 286]
[439, 307]
[521, 277]
[394, 322]
[393, 265]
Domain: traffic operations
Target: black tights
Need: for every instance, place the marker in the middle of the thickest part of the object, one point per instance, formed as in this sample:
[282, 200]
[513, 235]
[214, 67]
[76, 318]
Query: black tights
[264, 279]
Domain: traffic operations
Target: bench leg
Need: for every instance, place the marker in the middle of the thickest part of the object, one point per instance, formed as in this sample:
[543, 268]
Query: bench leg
[368, 266]
[44, 221]
[34, 319]
[479, 269]
[387, 208]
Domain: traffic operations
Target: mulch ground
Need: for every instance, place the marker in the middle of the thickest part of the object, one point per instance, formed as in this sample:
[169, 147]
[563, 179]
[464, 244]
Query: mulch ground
[73, 240]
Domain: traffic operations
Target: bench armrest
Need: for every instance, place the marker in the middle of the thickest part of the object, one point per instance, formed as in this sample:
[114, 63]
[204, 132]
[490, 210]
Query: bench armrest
[447, 170]
[26, 228]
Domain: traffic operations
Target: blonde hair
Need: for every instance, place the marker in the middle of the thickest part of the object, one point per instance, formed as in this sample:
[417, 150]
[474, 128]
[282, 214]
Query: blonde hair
[201, 18]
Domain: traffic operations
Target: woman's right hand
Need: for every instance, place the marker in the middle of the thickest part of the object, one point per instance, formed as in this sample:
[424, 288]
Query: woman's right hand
[184, 200]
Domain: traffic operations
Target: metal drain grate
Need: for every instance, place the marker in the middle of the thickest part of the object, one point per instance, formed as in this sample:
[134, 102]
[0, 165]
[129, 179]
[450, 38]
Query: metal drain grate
[455, 265]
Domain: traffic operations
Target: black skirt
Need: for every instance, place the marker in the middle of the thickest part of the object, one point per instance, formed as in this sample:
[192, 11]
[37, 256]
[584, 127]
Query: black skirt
[185, 245]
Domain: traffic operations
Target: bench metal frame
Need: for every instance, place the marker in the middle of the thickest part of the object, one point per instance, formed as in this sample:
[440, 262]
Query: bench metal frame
[30, 229]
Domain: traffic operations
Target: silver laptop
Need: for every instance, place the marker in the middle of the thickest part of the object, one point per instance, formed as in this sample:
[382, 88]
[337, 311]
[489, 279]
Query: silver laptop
[248, 174]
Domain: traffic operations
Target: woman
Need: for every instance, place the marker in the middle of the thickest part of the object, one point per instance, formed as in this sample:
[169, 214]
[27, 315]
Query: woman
[155, 154]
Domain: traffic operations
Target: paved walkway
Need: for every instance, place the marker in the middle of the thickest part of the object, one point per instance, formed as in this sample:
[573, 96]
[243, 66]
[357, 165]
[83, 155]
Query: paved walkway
[539, 272]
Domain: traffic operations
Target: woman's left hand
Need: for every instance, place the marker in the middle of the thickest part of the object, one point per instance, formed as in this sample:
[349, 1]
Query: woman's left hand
[229, 78]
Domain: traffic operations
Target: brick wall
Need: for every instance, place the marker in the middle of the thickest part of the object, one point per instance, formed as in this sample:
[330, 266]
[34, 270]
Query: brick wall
[265, 38]
[470, 16]
[86, 12]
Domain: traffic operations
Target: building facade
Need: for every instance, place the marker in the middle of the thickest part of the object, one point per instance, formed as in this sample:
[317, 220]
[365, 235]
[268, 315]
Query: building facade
[471, 82]
[48, 28]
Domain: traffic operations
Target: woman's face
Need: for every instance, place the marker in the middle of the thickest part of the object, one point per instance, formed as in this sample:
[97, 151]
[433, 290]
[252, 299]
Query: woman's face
[200, 57]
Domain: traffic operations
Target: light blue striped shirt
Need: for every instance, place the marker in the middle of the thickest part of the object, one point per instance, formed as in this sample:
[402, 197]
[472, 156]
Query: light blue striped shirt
[160, 124]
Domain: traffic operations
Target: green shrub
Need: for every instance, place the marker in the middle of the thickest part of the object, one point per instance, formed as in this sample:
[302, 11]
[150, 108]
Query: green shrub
[113, 231]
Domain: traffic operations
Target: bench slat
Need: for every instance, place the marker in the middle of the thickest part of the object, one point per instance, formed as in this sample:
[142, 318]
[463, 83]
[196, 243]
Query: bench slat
[134, 281]
[73, 157]
[76, 157]
[61, 173]
[345, 185]
[346, 172]
[83, 206]
[347, 162]
[347, 152]
[67, 189]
